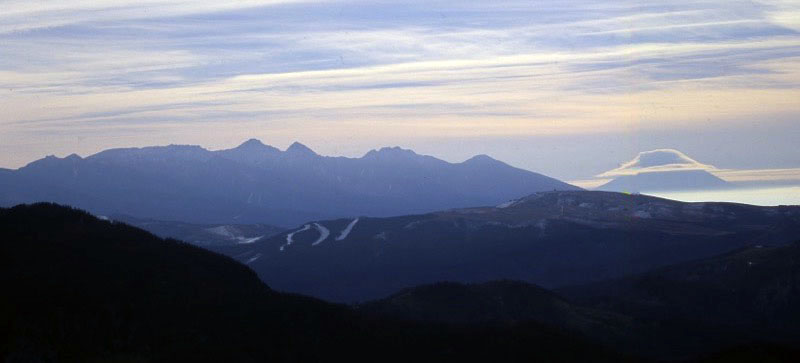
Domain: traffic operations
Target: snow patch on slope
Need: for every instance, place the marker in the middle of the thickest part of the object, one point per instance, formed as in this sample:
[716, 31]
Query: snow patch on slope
[252, 259]
[507, 204]
[290, 236]
[224, 231]
[323, 233]
[346, 231]
[245, 240]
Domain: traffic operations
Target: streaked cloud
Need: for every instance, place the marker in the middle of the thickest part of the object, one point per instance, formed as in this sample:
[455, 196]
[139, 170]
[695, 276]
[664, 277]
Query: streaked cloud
[657, 161]
[783, 12]
[671, 160]
[787, 176]
[417, 69]
[21, 15]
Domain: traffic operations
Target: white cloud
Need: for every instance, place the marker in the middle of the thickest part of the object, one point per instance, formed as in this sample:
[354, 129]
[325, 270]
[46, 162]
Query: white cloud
[23, 15]
[760, 175]
[660, 160]
[784, 12]
[671, 160]
[451, 69]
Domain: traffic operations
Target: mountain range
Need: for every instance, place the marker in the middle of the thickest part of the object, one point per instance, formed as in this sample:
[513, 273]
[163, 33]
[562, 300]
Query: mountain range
[394, 255]
[87, 289]
[550, 238]
[257, 183]
[81, 289]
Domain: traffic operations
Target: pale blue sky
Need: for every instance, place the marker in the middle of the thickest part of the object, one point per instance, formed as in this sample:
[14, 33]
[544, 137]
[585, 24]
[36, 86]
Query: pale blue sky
[570, 89]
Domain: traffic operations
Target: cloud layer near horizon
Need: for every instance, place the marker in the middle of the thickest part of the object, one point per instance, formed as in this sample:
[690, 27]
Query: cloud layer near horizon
[671, 160]
[657, 161]
[82, 76]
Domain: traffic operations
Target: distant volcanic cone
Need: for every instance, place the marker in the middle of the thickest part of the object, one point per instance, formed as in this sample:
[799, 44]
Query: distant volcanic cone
[662, 170]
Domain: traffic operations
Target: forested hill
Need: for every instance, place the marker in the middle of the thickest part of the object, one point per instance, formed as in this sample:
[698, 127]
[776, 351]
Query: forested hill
[77, 288]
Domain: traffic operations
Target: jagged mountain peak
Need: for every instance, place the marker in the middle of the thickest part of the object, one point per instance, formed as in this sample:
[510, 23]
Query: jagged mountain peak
[53, 161]
[153, 153]
[274, 186]
[481, 158]
[251, 143]
[391, 152]
[299, 149]
[255, 145]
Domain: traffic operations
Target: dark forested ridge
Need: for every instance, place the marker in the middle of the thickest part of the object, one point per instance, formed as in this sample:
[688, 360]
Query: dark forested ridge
[745, 296]
[77, 288]
[740, 306]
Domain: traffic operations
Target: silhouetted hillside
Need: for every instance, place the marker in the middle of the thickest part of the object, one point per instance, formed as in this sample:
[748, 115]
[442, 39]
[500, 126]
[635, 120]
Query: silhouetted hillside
[749, 297]
[757, 287]
[503, 303]
[491, 302]
[754, 321]
[80, 289]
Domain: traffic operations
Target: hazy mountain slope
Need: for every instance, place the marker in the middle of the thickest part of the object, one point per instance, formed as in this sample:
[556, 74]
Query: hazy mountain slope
[666, 181]
[662, 170]
[256, 183]
[551, 239]
[77, 288]
[202, 234]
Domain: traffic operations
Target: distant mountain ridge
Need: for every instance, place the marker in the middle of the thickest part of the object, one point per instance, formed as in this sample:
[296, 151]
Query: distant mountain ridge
[258, 183]
[549, 238]
[201, 234]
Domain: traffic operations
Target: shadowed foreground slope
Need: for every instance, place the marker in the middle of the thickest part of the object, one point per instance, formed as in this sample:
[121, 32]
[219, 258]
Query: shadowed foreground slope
[81, 289]
[748, 298]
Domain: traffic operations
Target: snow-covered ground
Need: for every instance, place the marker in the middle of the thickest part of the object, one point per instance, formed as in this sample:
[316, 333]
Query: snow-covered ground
[245, 240]
[224, 231]
[290, 236]
[323, 233]
[507, 204]
[251, 259]
[346, 230]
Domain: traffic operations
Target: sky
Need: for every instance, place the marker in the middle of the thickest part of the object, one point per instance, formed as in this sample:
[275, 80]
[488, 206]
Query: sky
[571, 89]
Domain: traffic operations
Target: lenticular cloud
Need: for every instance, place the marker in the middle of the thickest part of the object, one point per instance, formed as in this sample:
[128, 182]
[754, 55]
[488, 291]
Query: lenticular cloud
[659, 160]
